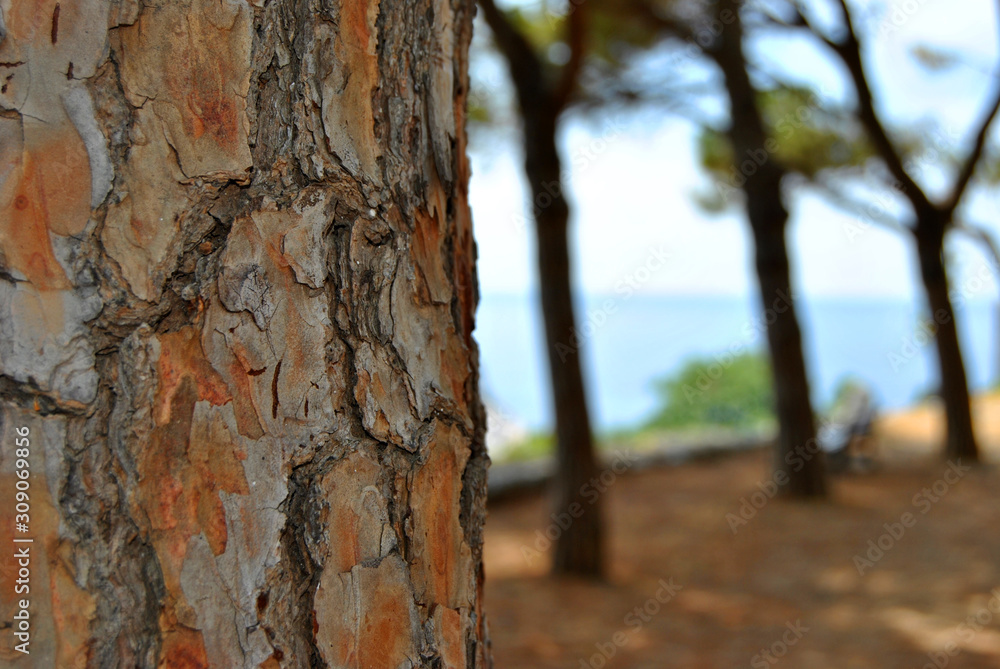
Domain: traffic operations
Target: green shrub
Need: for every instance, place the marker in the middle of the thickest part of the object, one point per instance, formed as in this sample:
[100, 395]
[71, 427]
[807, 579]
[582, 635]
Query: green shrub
[535, 445]
[726, 391]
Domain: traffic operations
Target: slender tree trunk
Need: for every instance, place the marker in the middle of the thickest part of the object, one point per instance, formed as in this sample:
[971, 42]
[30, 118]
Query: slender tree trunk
[579, 548]
[961, 439]
[577, 514]
[932, 221]
[798, 458]
[237, 294]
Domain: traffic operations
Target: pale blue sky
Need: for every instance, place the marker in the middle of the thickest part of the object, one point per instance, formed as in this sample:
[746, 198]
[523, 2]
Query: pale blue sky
[633, 179]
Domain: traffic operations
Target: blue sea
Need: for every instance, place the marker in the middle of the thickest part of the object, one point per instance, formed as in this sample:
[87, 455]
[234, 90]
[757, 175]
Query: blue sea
[643, 338]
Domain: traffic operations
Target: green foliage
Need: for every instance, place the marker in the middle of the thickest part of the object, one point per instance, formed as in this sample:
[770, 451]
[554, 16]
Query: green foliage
[615, 37]
[615, 33]
[479, 111]
[847, 387]
[715, 151]
[534, 446]
[726, 391]
[540, 27]
[810, 137]
[612, 27]
[803, 135]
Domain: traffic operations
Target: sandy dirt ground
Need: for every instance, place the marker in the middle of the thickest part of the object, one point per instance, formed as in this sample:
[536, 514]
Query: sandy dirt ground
[796, 585]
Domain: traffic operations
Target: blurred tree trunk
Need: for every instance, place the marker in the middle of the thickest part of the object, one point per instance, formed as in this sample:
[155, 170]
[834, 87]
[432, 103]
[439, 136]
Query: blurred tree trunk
[797, 456]
[932, 222]
[237, 295]
[961, 439]
[579, 547]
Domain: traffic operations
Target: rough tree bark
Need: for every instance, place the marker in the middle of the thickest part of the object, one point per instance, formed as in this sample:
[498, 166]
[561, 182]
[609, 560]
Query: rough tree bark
[580, 545]
[237, 295]
[797, 456]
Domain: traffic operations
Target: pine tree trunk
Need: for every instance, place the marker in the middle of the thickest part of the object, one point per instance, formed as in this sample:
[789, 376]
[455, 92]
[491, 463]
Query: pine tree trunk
[961, 439]
[237, 294]
[798, 458]
[576, 510]
[579, 547]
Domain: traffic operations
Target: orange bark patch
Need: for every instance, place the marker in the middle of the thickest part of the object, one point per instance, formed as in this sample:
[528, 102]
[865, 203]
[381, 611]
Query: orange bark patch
[185, 468]
[144, 231]
[366, 618]
[191, 457]
[387, 627]
[61, 612]
[59, 173]
[455, 368]
[181, 355]
[190, 460]
[428, 256]
[450, 637]
[442, 557]
[72, 611]
[45, 181]
[48, 187]
[348, 118]
[345, 551]
[24, 232]
[354, 512]
[271, 663]
[246, 415]
[199, 95]
[200, 82]
[354, 19]
[26, 18]
[162, 467]
[183, 649]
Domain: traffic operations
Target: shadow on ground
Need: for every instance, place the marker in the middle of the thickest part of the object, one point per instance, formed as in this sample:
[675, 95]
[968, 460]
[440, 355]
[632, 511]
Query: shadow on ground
[786, 583]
